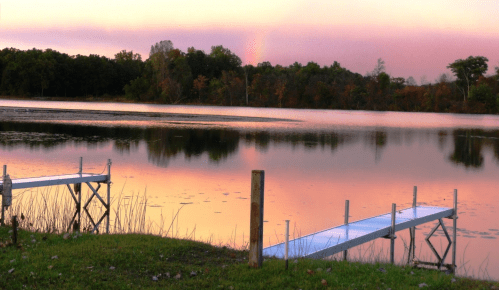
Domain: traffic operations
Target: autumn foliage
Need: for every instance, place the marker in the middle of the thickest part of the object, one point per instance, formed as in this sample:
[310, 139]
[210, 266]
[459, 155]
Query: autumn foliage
[172, 76]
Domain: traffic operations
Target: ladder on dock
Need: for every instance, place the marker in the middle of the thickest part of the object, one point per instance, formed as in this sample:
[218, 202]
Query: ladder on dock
[7, 185]
[339, 239]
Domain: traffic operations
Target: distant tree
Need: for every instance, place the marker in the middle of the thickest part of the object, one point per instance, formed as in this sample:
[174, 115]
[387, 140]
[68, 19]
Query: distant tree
[483, 94]
[397, 83]
[162, 47]
[444, 78]
[199, 84]
[410, 81]
[124, 56]
[423, 81]
[379, 68]
[222, 59]
[467, 72]
[199, 62]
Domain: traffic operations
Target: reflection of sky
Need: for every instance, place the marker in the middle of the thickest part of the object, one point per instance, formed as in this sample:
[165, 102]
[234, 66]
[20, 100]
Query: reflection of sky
[306, 181]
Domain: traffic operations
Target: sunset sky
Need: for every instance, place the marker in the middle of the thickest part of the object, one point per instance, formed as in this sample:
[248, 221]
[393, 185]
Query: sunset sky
[415, 38]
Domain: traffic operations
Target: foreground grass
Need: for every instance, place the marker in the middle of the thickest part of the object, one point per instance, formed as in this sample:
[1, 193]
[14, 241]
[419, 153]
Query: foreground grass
[130, 261]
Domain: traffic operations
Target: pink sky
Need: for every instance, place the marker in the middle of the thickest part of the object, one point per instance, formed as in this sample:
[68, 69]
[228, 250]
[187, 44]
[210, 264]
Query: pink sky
[415, 39]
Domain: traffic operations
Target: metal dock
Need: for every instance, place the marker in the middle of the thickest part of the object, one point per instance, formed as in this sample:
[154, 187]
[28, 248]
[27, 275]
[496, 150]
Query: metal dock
[31, 182]
[339, 239]
[7, 185]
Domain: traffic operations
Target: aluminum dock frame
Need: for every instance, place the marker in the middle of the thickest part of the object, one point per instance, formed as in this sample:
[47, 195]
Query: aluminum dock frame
[7, 185]
[339, 239]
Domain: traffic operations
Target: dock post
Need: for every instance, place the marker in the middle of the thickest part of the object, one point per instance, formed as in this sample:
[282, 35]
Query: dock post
[256, 218]
[412, 231]
[347, 212]
[108, 193]
[454, 234]
[286, 244]
[77, 189]
[3, 195]
[392, 235]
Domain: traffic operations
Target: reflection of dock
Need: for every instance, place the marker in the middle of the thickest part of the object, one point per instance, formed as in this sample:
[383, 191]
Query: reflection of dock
[7, 185]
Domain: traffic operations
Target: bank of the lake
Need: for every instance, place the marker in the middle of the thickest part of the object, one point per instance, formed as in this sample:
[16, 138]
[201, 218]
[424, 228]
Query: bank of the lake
[86, 261]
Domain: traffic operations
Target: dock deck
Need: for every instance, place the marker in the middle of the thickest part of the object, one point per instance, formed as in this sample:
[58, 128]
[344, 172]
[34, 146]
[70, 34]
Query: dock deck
[340, 238]
[21, 183]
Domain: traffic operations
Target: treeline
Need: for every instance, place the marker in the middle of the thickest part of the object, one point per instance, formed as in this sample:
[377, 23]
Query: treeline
[172, 76]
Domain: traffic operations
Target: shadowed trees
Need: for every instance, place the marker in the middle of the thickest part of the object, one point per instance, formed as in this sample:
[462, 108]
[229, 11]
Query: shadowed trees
[467, 72]
[172, 76]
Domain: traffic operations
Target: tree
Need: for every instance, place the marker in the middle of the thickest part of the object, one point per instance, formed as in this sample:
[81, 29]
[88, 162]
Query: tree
[124, 56]
[163, 47]
[410, 81]
[222, 59]
[483, 94]
[380, 67]
[199, 85]
[467, 72]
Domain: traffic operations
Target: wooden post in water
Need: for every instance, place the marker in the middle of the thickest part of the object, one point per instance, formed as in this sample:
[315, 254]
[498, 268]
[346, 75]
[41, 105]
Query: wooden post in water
[256, 218]
[392, 235]
[454, 234]
[347, 212]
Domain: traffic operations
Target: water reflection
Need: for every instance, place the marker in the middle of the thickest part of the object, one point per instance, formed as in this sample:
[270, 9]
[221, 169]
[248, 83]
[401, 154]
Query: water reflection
[163, 144]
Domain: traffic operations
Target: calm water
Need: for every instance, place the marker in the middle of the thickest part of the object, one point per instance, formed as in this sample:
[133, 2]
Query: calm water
[201, 158]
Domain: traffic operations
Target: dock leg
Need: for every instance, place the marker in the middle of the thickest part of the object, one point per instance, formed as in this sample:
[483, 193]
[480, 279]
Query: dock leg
[3, 196]
[79, 210]
[392, 235]
[347, 212]
[108, 194]
[454, 234]
[256, 218]
[287, 244]
[78, 192]
[412, 246]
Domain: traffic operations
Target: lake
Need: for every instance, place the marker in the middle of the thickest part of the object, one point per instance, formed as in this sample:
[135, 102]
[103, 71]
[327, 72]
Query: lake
[199, 160]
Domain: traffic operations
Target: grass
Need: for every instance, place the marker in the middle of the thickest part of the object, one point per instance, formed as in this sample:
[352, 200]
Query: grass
[130, 261]
[142, 254]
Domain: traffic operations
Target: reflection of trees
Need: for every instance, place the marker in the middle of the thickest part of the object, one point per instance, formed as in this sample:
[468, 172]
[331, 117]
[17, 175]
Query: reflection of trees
[307, 140]
[378, 140]
[49, 136]
[163, 144]
[467, 148]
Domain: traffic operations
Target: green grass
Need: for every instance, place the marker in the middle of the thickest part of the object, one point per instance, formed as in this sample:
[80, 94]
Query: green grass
[49, 261]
